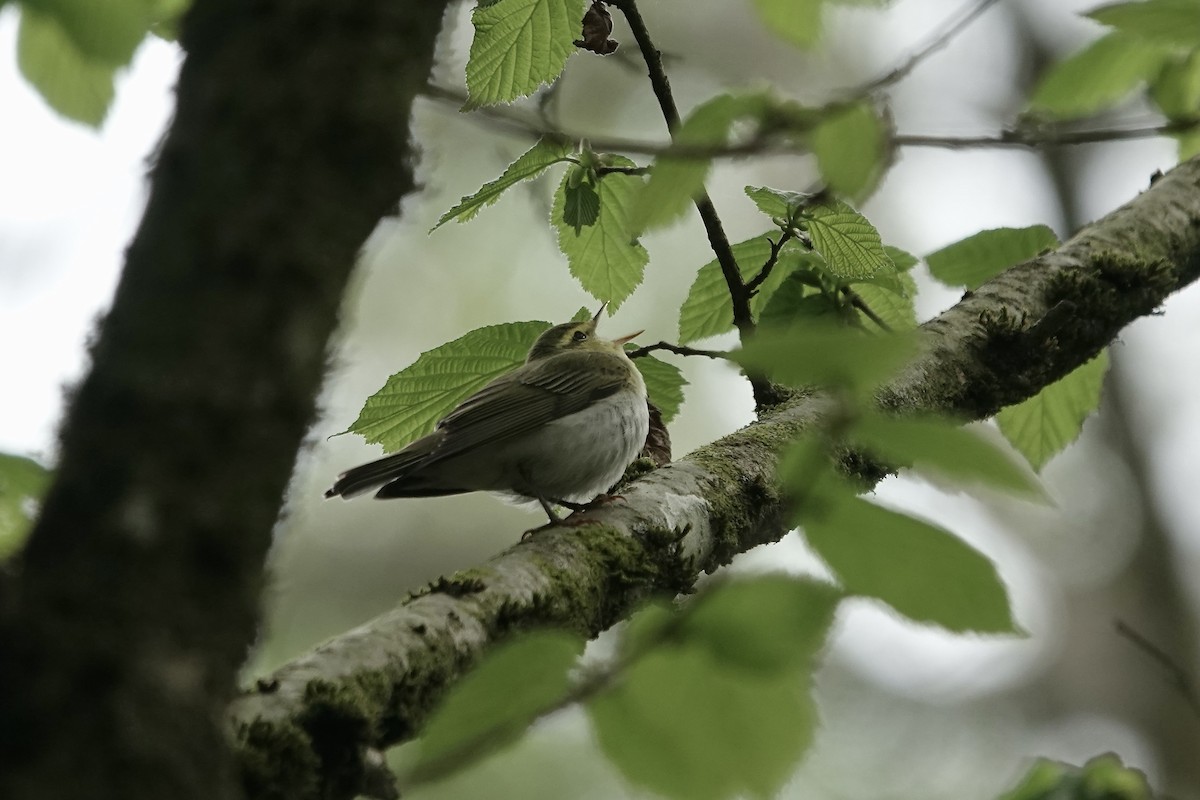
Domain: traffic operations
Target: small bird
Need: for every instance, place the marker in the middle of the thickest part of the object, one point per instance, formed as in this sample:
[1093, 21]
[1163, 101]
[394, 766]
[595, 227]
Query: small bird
[559, 429]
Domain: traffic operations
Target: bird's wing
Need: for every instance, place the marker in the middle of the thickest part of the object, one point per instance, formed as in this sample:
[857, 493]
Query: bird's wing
[529, 397]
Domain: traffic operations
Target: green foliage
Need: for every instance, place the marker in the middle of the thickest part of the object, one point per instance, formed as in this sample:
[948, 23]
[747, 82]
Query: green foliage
[107, 33]
[1166, 22]
[664, 385]
[74, 85]
[1177, 94]
[895, 308]
[419, 395]
[1096, 77]
[674, 181]
[707, 310]
[815, 353]
[493, 705]
[798, 21]
[979, 258]
[1101, 778]
[518, 46]
[920, 570]
[22, 483]
[1043, 425]
[848, 242]
[604, 256]
[547, 151]
[949, 451]
[849, 146]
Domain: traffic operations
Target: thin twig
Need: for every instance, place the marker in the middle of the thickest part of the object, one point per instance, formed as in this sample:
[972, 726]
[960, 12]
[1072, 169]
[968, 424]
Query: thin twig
[936, 42]
[677, 349]
[856, 300]
[1180, 678]
[623, 170]
[765, 272]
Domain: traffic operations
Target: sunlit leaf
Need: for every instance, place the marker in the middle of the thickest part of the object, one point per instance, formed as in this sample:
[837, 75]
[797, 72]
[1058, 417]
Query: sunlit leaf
[1169, 22]
[494, 704]
[419, 395]
[972, 261]
[1042, 426]
[518, 46]
[848, 242]
[922, 571]
[604, 256]
[73, 84]
[895, 308]
[548, 150]
[849, 146]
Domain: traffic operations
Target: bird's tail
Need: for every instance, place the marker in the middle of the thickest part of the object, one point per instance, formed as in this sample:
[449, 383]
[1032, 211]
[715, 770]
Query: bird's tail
[393, 468]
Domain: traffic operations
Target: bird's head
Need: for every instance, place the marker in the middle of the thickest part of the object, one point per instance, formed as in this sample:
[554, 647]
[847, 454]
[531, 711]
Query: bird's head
[576, 337]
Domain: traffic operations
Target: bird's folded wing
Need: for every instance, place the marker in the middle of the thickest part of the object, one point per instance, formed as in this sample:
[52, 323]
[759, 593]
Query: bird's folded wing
[529, 397]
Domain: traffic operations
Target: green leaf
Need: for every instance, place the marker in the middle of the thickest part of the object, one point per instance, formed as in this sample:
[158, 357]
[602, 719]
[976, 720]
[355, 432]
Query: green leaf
[896, 308]
[954, 453]
[687, 727]
[1168, 22]
[848, 242]
[518, 46]
[604, 257]
[581, 204]
[797, 21]
[849, 146]
[674, 181]
[922, 571]
[1046, 423]
[22, 483]
[105, 34]
[1102, 778]
[796, 297]
[776, 203]
[548, 150]
[811, 353]
[767, 625]
[72, 84]
[1176, 90]
[419, 395]
[707, 311]
[979, 258]
[664, 385]
[1097, 77]
[901, 259]
[494, 704]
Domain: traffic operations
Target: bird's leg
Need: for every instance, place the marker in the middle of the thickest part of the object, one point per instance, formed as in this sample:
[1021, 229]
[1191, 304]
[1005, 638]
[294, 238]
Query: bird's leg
[594, 503]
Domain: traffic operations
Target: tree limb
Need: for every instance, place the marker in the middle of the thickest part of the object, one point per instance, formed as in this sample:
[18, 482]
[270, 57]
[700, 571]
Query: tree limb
[308, 727]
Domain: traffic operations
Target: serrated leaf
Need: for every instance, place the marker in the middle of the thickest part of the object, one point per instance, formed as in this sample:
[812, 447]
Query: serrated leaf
[797, 21]
[812, 353]
[1168, 22]
[707, 310]
[1042, 426]
[848, 242]
[518, 46]
[604, 257]
[684, 726]
[72, 84]
[22, 483]
[674, 181]
[1176, 90]
[494, 704]
[664, 384]
[1097, 77]
[775, 203]
[920, 570]
[419, 395]
[581, 205]
[767, 625]
[849, 146]
[951, 452]
[896, 308]
[977, 259]
[549, 150]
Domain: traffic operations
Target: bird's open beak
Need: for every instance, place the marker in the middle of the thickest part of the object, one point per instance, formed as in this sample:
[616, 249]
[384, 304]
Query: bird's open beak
[628, 337]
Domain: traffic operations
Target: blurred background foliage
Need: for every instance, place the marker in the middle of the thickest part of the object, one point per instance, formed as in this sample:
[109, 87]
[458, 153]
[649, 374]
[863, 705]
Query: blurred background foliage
[907, 711]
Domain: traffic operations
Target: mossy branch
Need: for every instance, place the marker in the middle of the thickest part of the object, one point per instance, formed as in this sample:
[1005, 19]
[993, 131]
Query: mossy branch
[317, 723]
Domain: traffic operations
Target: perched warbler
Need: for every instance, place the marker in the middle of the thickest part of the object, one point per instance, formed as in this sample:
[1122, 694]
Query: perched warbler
[560, 429]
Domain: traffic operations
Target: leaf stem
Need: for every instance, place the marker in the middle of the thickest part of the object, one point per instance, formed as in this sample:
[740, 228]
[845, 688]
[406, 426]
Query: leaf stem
[856, 300]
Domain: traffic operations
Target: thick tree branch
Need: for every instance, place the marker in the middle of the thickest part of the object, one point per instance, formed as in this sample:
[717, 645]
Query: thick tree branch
[137, 596]
[308, 727]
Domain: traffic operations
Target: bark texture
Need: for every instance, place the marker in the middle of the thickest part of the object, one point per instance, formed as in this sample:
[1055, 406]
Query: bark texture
[126, 618]
[314, 728]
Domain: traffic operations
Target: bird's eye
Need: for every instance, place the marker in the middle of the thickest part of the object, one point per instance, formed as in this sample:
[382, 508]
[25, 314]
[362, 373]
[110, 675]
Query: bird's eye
[578, 336]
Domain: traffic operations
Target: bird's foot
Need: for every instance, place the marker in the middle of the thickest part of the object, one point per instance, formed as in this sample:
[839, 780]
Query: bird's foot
[594, 503]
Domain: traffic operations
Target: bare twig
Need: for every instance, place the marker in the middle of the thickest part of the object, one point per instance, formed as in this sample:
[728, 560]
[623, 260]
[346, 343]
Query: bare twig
[856, 300]
[765, 272]
[1180, 678]
[936, 42]
[677, 349]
